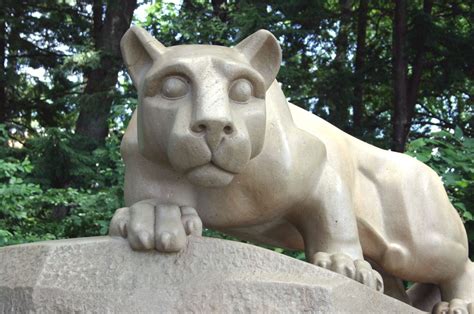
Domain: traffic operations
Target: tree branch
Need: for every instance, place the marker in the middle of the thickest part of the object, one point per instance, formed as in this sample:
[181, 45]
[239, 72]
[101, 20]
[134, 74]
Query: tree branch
[359, 66]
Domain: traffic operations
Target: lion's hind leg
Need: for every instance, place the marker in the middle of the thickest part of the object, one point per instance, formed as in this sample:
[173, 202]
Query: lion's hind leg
[459, 290]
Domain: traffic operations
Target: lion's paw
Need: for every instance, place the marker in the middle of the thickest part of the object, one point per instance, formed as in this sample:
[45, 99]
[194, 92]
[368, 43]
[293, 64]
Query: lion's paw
[148, 225]
[456, 306]
[343, 264]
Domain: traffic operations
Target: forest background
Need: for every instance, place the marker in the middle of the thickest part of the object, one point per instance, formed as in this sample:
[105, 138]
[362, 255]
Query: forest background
[397, 74]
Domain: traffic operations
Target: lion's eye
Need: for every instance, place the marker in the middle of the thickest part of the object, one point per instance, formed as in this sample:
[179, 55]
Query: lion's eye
[174, 87]
[240, 90]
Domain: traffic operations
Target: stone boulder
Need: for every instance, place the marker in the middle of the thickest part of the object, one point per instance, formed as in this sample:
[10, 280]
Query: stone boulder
[103, 275]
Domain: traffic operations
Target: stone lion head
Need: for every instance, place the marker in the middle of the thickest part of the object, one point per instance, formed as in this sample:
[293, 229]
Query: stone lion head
[201, 108]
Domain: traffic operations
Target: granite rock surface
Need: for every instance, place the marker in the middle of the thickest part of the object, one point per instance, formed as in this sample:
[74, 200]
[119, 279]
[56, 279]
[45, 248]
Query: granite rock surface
[103, 275]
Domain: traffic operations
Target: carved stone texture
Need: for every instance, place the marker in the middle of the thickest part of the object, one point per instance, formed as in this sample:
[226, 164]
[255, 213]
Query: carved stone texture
[103, 275]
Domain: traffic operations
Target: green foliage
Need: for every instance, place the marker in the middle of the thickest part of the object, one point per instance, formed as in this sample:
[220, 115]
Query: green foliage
[72, 162]
[32, 209]
[50, 37]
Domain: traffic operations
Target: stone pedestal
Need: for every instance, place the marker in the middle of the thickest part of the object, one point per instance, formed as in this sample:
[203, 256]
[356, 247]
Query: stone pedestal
[103, 275]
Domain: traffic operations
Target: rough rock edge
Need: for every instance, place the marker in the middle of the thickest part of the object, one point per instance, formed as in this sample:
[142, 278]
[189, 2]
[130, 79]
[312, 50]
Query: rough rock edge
[102, 274]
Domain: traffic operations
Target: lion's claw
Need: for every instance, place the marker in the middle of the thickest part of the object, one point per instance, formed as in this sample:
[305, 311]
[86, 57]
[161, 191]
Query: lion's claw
[148, 225]
[164, 241]
[145, 239]
[456, 306]
[358, 270]
[191, 221]
[118, 225]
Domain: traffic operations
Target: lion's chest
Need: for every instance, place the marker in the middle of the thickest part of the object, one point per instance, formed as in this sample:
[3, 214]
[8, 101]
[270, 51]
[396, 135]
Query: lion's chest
[264, 192]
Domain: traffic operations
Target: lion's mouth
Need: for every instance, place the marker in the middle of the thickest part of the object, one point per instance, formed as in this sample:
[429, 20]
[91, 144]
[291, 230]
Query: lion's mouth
[211, 164]
[210, 175]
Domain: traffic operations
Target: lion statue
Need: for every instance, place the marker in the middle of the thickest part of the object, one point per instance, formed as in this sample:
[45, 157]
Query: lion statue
[214, 142]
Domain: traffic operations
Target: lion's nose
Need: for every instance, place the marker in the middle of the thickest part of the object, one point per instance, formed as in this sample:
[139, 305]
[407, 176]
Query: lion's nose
[212, 127]
[214, 131]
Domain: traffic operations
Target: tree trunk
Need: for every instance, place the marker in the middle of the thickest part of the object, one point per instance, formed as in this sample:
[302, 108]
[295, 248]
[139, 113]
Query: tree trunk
[342, 39]
[400, 115]
[97, 13]
[3, 78]
[418, 63]
[99, 91]
[187, 5]
[340, 113]
[359, 67]
[406, 90]
[219, 10]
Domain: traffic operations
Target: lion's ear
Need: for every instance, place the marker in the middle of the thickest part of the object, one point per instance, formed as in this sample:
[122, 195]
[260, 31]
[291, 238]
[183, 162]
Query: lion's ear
[139, 51]
[264, 53]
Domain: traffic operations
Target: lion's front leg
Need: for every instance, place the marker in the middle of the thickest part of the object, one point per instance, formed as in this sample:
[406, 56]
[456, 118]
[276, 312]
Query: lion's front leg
[150, 225]
[341, 256]
[328, 225]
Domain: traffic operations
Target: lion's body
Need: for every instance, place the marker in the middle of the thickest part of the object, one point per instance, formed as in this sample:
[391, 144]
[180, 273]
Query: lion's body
[400, 203]
[254, 166]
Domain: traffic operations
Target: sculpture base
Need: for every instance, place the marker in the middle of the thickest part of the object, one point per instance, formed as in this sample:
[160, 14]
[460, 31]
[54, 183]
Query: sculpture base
[103, 274]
